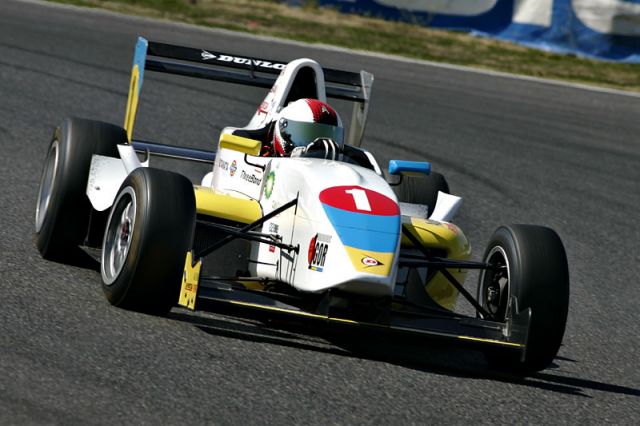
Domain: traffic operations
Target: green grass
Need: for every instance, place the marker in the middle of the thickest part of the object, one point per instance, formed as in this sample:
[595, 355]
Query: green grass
[273, 18]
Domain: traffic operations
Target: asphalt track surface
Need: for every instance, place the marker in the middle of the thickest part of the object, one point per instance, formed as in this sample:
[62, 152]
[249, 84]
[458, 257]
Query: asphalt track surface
[518, 151]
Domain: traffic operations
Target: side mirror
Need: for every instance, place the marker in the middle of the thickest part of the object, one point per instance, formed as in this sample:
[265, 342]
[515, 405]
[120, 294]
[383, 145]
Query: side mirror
[409, 168]
[238, 143]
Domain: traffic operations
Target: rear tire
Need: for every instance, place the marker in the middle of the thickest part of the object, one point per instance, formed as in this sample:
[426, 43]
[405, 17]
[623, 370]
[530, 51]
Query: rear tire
[149, 231]
[63, 208]
[537, 274]
[421, 190]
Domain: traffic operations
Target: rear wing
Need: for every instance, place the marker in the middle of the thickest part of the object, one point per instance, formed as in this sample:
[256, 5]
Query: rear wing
[214, 65]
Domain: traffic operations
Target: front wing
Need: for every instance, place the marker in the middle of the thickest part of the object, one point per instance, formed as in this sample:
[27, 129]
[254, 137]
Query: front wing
[395, 318]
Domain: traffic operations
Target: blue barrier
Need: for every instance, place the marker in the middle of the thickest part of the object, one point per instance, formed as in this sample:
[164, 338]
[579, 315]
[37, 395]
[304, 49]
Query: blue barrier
[602, 29]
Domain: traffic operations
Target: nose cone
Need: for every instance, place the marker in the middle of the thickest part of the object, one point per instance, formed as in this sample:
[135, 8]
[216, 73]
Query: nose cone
[367, 223]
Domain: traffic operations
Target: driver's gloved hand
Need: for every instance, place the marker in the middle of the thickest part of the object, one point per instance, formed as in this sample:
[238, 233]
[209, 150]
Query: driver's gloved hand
[322, 148]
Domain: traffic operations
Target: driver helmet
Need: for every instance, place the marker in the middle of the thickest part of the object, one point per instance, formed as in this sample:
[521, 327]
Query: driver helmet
[302, 122]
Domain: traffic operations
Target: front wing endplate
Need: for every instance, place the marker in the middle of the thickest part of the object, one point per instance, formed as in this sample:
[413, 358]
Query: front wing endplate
[190, 278]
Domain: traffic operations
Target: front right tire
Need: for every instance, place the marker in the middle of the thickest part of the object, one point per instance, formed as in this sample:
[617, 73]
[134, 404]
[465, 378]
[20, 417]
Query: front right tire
[63, 209]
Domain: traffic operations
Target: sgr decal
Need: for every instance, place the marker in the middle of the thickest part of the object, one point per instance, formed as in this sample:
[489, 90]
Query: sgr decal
[318, 248]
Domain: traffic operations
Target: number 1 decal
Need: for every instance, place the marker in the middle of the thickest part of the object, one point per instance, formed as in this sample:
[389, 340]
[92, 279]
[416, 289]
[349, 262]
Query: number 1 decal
[360, 199]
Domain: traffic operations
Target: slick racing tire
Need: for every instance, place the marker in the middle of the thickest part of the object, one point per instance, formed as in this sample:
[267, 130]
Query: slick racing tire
[535, 271]
[422, 190]
[149, 231]
[63, 208]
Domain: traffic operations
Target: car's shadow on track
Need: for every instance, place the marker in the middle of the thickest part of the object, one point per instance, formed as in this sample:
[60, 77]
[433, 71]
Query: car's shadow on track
[428, 357]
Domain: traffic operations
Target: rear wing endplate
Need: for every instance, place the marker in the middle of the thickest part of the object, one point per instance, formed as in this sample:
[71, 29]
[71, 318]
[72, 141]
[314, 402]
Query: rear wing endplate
[213, 65]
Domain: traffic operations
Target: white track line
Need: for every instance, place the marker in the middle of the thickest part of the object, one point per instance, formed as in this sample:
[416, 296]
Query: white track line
[422, 62]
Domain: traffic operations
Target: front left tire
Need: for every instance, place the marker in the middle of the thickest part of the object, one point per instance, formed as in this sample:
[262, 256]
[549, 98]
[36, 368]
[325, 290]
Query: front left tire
[530, 263]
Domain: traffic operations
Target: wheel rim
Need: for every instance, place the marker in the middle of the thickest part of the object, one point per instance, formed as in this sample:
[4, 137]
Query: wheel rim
[47, 183]
[118, 235]
[495, 289]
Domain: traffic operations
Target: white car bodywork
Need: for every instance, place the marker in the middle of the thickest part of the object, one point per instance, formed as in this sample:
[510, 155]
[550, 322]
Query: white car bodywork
[346, 224]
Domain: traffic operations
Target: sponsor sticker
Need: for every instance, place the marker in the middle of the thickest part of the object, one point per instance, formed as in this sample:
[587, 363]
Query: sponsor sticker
[224, 165]
[233, 168]
[318, 248]
[268, 185]
[251, 178]
[190, 279]
[369, 261]
[208, 56]
[274, 228]
[451, 227]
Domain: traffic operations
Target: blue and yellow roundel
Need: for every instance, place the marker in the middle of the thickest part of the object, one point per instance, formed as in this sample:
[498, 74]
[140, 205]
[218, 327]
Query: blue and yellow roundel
[367, 223]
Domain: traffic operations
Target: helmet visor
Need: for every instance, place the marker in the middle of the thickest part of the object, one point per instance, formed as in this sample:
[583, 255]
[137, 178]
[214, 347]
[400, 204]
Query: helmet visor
[299, 133]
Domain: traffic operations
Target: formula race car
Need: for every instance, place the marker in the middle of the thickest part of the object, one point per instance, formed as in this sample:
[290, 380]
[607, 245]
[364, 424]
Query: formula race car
[322, 235]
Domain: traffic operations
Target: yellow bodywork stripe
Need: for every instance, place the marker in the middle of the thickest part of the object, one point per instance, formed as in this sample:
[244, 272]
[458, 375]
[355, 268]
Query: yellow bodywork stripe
[238, 143]
[382, 267]
[217, 204]
[132, 102]
[444, 236]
